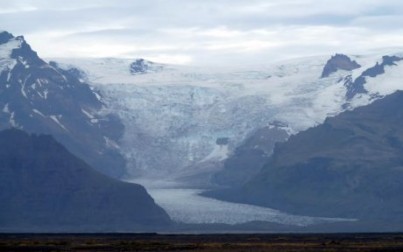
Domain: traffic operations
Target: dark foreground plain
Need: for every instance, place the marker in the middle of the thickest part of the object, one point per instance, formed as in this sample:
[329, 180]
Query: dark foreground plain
[211, 242]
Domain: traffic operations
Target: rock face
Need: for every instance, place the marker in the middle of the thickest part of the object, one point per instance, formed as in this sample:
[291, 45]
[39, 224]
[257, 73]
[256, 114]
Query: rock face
[44, 188]
[357, 86]
[141, 66]
[250, 156]
[350, 166]
[42, 98]
[339, 62]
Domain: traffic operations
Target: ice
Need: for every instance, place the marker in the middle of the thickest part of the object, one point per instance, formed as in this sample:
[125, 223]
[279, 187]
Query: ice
[38, 112]
[181, 111]
[391, 80]
[187, 206]
[12, 121]
[174, 117]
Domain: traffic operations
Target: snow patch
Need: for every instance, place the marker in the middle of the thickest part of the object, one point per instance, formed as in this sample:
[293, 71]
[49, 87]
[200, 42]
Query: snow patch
[24, 62]
[6, 109]
[99, 98]
[23, 86]
[87, 114]
[38, 112]
[56, 120]
[45, 94]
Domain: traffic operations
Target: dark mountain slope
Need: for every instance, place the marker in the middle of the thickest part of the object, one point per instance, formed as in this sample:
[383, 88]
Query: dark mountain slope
[44, 188]
[41, 98]
[249, 157]
[339, 62]
[350, 166]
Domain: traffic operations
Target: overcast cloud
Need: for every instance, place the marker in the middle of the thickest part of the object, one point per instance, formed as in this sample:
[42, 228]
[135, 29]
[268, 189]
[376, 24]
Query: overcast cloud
[204, 31]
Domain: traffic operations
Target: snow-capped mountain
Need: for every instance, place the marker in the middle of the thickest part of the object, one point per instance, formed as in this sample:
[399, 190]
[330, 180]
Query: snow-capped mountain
[348, 167]
[42, 98]
[183, 121]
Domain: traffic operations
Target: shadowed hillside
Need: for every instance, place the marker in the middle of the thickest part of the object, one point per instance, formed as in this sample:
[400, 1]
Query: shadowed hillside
[44, 188]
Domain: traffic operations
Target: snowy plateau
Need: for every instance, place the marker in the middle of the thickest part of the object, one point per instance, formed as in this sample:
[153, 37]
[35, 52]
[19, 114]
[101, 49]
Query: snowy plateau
[175, 117]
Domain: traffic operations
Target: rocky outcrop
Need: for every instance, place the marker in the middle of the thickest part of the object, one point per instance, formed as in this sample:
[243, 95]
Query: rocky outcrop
[141, 66]
[357, 86]
[339, 62]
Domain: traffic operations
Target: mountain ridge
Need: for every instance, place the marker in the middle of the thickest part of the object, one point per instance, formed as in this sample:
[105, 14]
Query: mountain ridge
[42, 98]
[350, 166]
[44, 188]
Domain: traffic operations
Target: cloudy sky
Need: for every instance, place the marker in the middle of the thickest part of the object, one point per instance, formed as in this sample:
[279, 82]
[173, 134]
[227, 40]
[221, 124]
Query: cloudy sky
[213, 32]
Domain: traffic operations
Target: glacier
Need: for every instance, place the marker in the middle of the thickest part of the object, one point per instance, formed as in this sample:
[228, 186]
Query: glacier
[187, 205]
[176, 117]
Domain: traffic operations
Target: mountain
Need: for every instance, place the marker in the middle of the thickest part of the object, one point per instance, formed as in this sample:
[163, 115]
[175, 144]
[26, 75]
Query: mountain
[339, 62]
[44, 188]
[349, 166]
[183, 112]
[42, 98]
[248, 158]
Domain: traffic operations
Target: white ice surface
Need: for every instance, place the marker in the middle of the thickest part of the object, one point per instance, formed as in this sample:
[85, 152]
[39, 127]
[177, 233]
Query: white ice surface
[187, 206]
[181, 111]
[5, 52]
[386, 83]
[174, 117]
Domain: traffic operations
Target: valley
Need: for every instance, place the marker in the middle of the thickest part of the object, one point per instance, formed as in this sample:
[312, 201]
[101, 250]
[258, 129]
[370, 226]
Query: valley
[215, 147]
[188, 130]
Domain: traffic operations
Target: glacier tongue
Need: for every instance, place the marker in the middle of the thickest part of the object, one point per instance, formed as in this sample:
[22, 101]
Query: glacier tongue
[187, 206]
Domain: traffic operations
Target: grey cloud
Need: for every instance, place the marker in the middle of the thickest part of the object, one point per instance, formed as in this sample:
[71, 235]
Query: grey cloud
[380, 22]
[193, 27]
